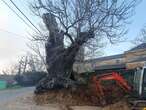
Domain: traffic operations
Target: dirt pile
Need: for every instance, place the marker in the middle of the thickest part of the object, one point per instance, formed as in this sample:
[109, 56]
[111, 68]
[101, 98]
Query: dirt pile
[80, 97]
[67, 97]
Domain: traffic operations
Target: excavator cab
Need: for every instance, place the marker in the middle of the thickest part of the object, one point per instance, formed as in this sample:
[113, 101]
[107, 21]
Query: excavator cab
[140, 82]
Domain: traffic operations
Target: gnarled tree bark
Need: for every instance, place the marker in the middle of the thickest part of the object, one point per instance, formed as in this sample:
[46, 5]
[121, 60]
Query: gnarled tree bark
[60, 60]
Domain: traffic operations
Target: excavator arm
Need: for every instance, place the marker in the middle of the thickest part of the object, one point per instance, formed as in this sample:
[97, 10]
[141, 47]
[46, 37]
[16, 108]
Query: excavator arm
[119, 79]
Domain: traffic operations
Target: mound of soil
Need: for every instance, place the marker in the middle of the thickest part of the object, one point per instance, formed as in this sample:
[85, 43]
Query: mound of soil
[79, 97]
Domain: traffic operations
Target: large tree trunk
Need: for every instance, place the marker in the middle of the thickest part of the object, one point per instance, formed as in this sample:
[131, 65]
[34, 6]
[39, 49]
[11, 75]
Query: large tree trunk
[60, 60]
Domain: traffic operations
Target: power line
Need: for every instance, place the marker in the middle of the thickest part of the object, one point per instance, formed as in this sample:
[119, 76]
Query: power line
[25, 16]
[2, 30]
[16, 14]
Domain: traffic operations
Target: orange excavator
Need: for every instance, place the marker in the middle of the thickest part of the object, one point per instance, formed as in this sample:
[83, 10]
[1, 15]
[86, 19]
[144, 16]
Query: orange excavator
[113, 76]
[138, 86]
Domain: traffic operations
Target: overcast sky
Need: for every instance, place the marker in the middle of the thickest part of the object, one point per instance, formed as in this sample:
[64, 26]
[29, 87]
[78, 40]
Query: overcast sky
[12, 46]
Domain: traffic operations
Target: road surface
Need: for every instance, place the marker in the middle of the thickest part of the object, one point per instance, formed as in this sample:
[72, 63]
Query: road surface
[12, 94]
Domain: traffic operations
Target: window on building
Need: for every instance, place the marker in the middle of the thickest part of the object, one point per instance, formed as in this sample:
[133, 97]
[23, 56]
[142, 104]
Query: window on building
[117, 61]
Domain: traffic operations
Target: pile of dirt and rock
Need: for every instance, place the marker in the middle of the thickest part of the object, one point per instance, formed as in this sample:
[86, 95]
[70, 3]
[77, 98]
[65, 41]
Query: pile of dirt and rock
[80, 97]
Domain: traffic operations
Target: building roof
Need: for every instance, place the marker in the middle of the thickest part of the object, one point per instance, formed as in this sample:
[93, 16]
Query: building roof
[106, 58]
[106, 67]
[102, 67]
[141, 46]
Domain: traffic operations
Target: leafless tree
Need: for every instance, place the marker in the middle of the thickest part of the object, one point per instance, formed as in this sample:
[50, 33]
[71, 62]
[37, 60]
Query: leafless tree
[141, 37]
[80, 23]
[38, 50]
[30, 63]
[11, 70]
